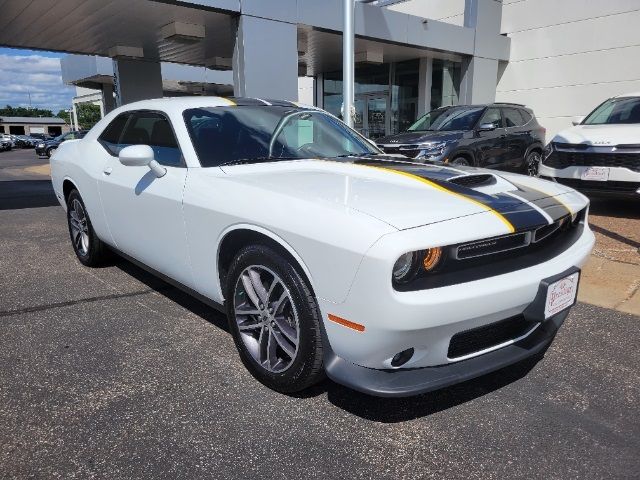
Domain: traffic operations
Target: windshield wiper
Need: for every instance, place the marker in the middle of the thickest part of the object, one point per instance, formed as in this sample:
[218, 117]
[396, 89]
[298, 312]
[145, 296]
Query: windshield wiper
[347, 155]
[246, 161]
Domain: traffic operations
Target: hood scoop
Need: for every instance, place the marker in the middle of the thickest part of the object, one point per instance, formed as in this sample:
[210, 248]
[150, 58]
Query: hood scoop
[473, 181]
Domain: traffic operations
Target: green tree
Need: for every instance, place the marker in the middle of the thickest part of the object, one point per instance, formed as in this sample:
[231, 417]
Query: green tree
[63, 114]
[88, 115]
[10, 111]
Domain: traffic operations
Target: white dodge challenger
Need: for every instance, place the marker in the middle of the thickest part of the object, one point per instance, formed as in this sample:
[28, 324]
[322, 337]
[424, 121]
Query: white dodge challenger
[328, 257]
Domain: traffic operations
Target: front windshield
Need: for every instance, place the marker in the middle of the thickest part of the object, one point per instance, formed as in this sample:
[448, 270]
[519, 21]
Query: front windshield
[224, 135]
[615, 111]
[447, 119]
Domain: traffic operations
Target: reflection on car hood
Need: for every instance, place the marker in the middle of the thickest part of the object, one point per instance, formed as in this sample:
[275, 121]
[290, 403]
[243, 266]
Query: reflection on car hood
[600, 135]
[406, 195]
[419, 137]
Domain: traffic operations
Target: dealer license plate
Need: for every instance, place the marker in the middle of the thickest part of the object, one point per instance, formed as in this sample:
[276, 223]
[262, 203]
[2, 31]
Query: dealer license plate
[598, 174]
[561, 295]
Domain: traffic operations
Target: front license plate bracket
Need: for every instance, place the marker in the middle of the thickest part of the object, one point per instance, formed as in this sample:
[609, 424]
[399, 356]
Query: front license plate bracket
[535, 312]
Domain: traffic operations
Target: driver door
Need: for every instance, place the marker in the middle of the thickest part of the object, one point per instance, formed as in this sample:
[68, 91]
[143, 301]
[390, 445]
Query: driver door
[144, 212]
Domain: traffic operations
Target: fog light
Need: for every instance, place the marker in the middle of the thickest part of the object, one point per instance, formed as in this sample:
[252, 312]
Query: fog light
[402, 357]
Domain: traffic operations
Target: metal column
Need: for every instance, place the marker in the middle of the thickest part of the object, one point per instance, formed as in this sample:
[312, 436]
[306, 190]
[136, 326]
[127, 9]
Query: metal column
[348, 72]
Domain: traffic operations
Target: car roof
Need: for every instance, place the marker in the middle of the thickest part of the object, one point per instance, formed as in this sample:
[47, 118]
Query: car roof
[207, 101]
[624, 95]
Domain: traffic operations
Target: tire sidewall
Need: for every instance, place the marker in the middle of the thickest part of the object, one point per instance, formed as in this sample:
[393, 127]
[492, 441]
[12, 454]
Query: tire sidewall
[297, 376]
[529, 160]
[91, 258]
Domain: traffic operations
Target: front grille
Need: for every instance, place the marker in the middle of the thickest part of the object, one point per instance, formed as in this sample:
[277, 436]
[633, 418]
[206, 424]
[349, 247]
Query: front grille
[564, 159]
[594, 185]
[492, 245]
[411, 153]
[487, 336]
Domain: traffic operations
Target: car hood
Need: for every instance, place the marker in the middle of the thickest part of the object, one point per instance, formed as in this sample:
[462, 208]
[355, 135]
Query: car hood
[407, 195]
[600, 135]
[419, 137]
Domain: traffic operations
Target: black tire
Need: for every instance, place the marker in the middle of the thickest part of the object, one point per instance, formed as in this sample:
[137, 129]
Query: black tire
[96, 252]
[460, 162]
[49, 151]
[306, 368]
[532, 164]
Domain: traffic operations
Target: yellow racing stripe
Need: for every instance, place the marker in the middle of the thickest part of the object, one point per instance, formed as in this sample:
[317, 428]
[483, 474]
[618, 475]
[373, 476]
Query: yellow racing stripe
[455, 194]
[231, 102]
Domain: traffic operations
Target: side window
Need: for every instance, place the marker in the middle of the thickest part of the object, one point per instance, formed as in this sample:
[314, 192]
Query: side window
[512, 118]
[526, 116]
[110, 137]
[153, 129]
[493, 116]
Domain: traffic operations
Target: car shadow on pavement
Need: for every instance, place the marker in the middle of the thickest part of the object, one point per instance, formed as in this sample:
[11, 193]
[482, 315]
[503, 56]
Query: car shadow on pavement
[615, 207]
[17, 194]
[384, 410]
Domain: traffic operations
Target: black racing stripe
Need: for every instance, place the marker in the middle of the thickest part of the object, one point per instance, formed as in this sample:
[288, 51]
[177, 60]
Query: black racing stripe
[548, 203]
[430, 172]
[521, 215]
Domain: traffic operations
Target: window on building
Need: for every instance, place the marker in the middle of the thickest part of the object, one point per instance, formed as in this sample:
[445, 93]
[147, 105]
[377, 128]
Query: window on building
[445, 83]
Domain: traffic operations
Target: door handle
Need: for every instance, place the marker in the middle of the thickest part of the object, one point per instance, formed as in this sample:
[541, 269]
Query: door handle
[107, 171]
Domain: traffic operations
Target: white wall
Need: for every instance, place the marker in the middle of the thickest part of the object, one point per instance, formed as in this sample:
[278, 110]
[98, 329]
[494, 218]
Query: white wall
[448, 11]
[568, 56]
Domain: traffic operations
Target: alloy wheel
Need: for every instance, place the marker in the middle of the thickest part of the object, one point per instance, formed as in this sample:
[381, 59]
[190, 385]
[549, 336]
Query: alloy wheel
[533, 164]
[266, 318]
[79, 227]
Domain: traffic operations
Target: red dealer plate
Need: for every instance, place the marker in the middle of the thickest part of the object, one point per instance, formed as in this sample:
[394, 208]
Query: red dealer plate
[561, 295]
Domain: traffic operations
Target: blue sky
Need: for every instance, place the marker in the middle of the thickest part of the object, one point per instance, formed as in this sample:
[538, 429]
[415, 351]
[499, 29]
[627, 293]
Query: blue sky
[24, 72]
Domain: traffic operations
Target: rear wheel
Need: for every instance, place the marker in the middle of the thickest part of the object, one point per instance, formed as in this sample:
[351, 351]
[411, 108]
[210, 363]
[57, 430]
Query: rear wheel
[274, 320]
[532, 164]
[89, 249]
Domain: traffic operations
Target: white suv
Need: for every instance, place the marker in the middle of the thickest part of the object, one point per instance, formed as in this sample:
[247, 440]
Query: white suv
[600, 153]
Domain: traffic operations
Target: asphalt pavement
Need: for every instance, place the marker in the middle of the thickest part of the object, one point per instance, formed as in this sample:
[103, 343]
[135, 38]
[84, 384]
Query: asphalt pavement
[111, 373]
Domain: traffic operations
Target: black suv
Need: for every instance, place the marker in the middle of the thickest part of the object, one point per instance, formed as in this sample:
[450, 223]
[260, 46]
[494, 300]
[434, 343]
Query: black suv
[500, 135]
[47, 147]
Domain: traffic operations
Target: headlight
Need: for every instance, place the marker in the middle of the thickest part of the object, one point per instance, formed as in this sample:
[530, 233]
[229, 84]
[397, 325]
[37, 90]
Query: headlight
[431, 149]
[548, 150]
[404, 268]
[41, 145]
[412, 263]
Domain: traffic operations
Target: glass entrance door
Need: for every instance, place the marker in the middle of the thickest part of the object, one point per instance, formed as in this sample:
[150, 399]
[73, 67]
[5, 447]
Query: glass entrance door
[372, 119]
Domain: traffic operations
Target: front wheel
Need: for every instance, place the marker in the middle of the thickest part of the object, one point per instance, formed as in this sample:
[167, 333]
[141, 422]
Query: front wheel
[89, 249]
[51, 151]
[274, 319]
[532, 164]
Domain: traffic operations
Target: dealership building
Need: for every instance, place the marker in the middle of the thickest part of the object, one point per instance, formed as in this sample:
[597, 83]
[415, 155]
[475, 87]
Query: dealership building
[559, 58]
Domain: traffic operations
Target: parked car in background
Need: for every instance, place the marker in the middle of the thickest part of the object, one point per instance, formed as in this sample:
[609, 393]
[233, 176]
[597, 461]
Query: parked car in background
[328, 256]
[4, 144]
[600, 153]
[48, 147]
[499, 135]
[7, 139]
[39, 136]
[24, 141]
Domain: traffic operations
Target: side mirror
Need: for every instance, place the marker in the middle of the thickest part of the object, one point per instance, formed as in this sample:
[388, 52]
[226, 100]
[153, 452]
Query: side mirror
[487, 127]
[576, 120]
[140, 156]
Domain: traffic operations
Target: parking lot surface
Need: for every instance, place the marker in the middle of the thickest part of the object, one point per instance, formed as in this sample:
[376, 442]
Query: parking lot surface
[111, 373]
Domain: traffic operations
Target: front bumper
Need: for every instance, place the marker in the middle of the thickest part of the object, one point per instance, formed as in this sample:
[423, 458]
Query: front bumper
[621, 181]
[408, 382]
